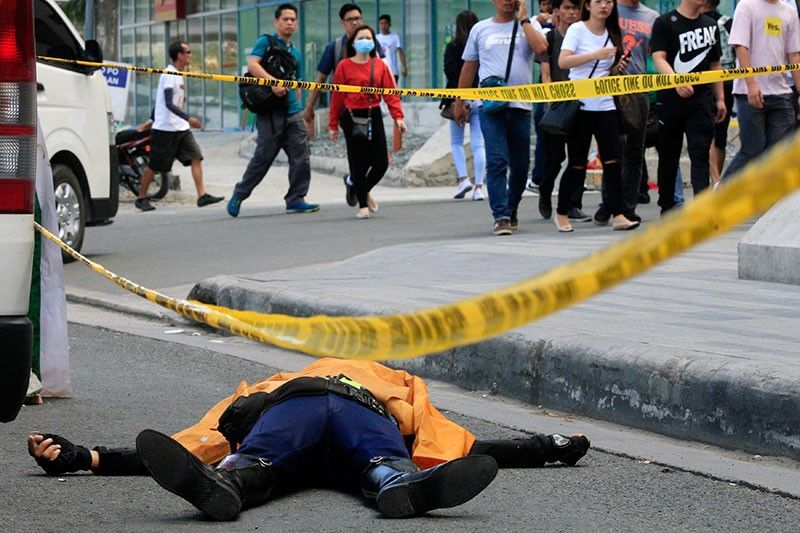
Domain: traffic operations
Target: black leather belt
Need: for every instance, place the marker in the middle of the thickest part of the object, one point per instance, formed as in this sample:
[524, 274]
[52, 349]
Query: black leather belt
[351, 390]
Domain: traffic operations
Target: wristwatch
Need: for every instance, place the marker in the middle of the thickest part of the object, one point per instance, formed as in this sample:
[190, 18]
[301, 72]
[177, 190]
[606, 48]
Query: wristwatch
[524, 21]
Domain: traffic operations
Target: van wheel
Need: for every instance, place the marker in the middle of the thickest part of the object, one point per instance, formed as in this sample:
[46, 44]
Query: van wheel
[70, 209]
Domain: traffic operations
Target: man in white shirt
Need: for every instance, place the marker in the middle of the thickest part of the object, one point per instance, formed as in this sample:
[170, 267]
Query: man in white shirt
[172, 137]
[392, 47]
[502, 47]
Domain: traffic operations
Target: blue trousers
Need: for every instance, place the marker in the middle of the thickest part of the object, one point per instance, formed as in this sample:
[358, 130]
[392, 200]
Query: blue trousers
[322, 439]
[507, 136]
[761, 128]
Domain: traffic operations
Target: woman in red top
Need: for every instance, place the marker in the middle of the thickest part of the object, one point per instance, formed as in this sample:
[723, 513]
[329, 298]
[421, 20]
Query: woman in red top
[367, 155]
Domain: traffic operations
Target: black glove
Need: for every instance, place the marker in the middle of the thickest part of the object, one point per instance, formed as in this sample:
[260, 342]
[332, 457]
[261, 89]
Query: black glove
[71, 459]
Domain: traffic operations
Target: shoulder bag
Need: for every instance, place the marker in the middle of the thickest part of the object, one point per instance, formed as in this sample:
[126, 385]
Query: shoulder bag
[362, 127]
[493, 106]
[629, 112]
[560, 116]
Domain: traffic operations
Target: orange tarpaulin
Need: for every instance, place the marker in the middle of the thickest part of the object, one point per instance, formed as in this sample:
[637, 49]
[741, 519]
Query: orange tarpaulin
[436, 439]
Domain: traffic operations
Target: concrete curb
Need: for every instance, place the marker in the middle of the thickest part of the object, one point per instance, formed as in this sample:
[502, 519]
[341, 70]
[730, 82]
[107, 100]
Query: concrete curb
[691, 395]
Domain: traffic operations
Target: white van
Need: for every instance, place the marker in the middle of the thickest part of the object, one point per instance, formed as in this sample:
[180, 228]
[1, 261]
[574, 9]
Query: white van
[75, 115]
[74, 112]
[17, 185]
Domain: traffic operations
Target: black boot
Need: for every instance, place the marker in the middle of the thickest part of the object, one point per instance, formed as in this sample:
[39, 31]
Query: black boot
[567, 450]
[534, 451]
[219, 492]
[400, 489]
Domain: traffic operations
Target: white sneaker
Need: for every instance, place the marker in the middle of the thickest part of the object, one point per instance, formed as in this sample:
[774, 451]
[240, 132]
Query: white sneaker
[531, 186]
[477, 194]
[463, 187]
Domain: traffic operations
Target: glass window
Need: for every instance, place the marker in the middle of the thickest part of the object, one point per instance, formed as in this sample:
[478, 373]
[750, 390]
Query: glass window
[192, 6]
[194, 86]
[484, 9]
[369, 12]
[128, 55]
[417, 43]
[230, 4]
[248, 33]
[158, 46]
[53, 37]
[177, 31]
[126, 46]
[265, 16]
[334, 24]
[230, 65]
[211, 5]
[446, 12]
[142, 10]
[315, 35]
[212, 63]
[126, 12]
[142, 90]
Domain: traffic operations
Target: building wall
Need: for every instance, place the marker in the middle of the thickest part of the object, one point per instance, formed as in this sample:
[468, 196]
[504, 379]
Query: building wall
[222, 32]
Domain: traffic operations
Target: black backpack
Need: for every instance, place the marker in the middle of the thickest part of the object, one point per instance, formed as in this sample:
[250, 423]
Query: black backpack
[279, 62]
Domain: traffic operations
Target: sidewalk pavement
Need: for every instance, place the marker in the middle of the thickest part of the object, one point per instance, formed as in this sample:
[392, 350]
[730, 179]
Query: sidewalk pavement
[686, 350]
[223, 167]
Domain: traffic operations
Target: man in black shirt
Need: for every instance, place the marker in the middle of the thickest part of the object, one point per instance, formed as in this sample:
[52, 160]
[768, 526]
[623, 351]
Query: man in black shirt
[683, 41]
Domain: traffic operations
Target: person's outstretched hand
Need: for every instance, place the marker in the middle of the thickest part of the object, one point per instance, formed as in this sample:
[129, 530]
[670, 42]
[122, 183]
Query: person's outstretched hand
[57, 455]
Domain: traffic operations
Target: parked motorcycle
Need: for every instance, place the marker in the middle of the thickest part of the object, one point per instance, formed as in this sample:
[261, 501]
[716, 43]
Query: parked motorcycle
[133, 151]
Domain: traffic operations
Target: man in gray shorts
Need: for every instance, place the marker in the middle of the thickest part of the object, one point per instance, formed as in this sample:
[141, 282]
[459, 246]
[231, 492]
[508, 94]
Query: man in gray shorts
[172, 137]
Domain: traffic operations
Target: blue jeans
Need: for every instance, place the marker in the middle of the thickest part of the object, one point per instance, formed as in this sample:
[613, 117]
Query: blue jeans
[476, 143]
[761, 128]
[507, 136]
[322, 439]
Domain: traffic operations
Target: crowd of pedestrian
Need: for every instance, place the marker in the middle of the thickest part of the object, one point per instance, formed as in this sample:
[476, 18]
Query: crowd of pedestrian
[596, 38]
[570, 40]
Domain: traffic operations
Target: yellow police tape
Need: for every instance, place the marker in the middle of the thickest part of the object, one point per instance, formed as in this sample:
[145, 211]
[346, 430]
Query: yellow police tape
[468, 321]
[538, 92]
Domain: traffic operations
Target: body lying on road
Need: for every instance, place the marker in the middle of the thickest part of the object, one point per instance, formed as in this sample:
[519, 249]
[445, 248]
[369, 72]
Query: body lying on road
[342, 423]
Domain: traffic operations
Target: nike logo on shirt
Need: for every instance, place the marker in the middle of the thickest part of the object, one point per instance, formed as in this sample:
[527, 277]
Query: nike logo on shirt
[684, 67]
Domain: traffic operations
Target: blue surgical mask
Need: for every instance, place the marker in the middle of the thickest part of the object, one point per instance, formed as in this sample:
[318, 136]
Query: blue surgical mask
[364, 46]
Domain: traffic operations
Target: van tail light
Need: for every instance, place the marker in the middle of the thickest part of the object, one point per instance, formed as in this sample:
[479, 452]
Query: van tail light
[17, 107]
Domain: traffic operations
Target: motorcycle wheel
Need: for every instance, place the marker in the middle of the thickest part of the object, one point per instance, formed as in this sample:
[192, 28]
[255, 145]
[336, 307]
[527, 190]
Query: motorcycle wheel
[158, 187]
[160, 184]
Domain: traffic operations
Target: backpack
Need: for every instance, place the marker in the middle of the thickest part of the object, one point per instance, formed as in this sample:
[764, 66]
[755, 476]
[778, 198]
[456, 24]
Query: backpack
[280, 63]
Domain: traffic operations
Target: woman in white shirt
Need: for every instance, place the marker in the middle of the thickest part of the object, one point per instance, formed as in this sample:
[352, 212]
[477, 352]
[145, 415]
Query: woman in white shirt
[592, 47]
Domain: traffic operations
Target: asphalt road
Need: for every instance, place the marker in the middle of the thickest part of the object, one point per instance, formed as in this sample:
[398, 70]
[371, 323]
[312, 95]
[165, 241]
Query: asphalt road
[179, 244]
[124, 383]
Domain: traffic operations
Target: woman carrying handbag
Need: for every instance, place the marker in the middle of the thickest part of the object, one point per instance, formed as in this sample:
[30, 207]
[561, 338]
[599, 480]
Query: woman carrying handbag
[452, 69]
[361, 118]
[592, 47]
